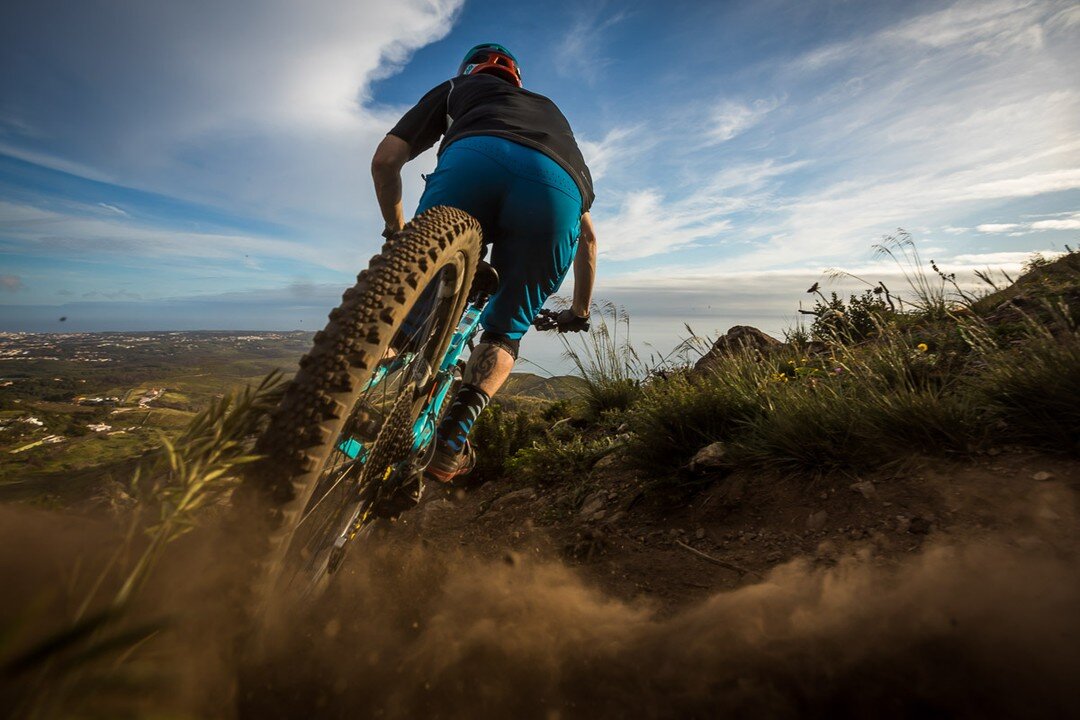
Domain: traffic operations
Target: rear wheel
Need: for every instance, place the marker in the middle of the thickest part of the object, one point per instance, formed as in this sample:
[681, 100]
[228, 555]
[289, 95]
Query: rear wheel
[342, 435]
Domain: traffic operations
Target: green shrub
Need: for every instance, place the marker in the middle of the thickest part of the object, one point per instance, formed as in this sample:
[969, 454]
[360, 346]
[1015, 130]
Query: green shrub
[679, 415]
[850, 407]
[1034, 389]
[497, 435]
[861, 317]
[560, 456]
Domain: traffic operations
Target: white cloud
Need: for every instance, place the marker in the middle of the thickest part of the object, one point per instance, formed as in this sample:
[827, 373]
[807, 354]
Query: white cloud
[1071, 224]
[731, 118]
[584, 41]
[619, 144]
[976, 26]
[874, 136]
[923, 138]
[79, 232]
[645, 226]
[644, 223]
[262, 108]
[1009, 259]
[1056, 223]
[112, 209]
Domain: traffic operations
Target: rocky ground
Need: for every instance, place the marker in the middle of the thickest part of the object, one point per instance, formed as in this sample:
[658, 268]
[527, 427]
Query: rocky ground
[676, 551]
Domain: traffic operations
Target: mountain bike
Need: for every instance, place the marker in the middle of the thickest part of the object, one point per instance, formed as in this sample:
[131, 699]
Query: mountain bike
[356, 426]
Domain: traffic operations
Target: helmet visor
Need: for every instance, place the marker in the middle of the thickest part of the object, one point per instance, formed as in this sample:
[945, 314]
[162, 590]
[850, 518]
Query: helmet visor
[478, 57]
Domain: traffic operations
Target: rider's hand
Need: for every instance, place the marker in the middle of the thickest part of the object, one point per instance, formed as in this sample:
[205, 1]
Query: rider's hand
[390, 233]
[563, 321]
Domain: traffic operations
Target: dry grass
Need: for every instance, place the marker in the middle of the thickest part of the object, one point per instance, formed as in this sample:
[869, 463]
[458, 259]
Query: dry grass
[90, 664]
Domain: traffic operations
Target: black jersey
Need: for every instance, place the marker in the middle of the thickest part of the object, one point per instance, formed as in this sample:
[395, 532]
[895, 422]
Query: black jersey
[486, 105]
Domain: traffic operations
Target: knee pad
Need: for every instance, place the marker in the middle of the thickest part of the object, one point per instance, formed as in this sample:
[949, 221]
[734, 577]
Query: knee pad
[500, 340]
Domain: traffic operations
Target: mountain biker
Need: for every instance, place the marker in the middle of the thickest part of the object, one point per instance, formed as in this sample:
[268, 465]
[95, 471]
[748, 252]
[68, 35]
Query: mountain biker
[508, 157]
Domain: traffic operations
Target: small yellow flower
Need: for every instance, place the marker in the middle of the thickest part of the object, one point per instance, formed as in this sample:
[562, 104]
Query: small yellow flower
[922, 347]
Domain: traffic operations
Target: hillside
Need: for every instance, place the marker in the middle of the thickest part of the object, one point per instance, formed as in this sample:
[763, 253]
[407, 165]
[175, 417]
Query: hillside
[79, 409]
[562, 387]
[876, 520]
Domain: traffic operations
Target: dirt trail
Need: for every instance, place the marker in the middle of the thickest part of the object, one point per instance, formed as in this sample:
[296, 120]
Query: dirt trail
[945, 590]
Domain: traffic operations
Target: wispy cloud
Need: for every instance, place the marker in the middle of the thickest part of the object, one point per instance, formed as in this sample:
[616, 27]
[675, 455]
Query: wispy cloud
[730, 118]
[111, 295]
[644, 225]
[113, 209]
[71, 234]
[580, 53]
[619, 145]
[1065, 221]
[1073, 224]
[1004, 260]
[984, 115]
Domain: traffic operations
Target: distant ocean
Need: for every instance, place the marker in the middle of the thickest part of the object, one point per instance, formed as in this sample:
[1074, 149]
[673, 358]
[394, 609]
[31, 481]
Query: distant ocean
[541, 353]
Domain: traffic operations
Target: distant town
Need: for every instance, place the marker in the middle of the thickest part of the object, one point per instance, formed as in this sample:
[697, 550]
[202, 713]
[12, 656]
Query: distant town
[73, 402]
[110, 347]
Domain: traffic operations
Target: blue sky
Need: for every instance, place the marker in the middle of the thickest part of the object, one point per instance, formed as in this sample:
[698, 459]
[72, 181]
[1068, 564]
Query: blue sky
[205, 165]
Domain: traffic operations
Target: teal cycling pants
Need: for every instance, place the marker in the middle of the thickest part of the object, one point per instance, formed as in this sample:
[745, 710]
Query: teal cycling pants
[530, 211]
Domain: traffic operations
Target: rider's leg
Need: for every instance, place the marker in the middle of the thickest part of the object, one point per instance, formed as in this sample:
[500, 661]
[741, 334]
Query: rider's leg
[488, 368]
[537, 229]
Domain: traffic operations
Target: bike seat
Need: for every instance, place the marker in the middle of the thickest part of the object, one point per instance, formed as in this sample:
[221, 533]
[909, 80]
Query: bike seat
[486, 281]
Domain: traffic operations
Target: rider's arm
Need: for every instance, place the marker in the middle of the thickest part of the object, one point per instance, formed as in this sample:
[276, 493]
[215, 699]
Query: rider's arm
[390, 157]
[584, 267]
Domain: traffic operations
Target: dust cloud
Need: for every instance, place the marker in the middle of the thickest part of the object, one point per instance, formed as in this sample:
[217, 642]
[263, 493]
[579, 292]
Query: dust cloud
[982, 629]
[974, 631]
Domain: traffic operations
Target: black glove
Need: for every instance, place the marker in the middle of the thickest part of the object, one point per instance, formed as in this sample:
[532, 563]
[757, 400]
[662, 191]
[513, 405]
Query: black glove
[563, 321]
[390, 234]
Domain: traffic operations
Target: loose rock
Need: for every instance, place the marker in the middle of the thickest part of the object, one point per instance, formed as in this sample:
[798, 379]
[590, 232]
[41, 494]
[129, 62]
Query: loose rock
[816, 521]
[709, 457]
[864, 488]
[514, 498]
[593, 506]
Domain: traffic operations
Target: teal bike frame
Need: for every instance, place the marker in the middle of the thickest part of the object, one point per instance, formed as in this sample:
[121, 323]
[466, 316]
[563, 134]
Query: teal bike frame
[425, 425]
[423, 430]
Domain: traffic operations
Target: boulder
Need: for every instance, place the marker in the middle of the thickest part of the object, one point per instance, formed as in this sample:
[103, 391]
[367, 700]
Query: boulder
[738, 338]
[710, 457]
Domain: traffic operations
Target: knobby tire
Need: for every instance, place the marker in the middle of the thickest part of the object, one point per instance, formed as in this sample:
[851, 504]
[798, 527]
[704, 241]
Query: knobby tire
[304, 431]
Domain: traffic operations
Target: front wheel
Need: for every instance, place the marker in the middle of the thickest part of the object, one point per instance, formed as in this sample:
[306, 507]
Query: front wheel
[344, 426]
